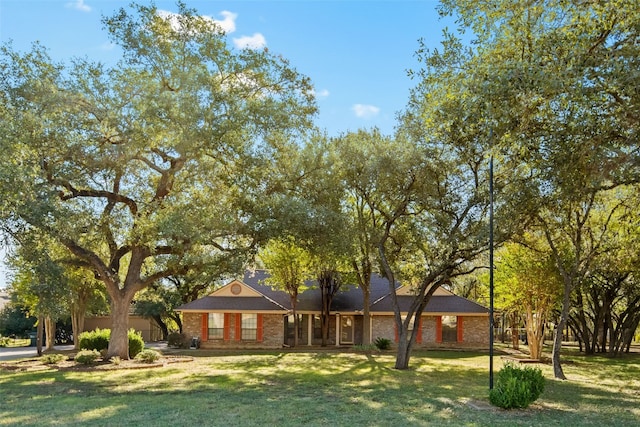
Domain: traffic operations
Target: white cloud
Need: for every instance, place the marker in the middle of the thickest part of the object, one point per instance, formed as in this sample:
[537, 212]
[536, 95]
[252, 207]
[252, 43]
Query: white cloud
[365, 111]
[324, 93]
[78, 5]
[107, 46]
[227, 24]
[255, 41]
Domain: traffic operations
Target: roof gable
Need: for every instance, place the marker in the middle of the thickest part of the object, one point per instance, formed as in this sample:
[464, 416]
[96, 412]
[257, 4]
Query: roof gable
[236, 288]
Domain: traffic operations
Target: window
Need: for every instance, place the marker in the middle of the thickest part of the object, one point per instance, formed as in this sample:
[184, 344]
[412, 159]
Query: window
[216, 326]
[250, 327]
[449, 328]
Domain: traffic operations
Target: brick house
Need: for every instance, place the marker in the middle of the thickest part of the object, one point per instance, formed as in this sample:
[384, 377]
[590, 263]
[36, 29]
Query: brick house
[249, 314]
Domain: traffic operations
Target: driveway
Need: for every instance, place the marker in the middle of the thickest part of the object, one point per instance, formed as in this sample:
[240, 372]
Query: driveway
[13, 353]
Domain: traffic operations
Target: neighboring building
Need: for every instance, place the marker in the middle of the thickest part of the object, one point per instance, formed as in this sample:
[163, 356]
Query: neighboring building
[249, 314]
[147, 328]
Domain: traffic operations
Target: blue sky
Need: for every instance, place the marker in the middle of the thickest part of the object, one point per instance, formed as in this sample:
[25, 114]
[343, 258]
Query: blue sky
[356, 52]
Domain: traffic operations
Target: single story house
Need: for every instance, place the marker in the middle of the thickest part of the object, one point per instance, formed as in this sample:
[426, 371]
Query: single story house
[248, 313]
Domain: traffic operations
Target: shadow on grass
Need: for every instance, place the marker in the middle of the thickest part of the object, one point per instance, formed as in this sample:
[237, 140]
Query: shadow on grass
[278, 388]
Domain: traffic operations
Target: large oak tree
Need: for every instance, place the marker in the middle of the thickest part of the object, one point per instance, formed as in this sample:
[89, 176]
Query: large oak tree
[146, 169]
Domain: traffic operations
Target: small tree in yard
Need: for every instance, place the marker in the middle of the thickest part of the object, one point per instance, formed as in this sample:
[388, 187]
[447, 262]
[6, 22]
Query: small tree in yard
[40, 284]
[526, 277]
[289, 267]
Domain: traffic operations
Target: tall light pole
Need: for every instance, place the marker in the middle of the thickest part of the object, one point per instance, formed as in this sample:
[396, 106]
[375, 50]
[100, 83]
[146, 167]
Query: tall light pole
[491, 328]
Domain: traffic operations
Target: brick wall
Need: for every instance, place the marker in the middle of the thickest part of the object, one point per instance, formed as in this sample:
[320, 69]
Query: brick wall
[475, 332]
[272, 326]
[383, 327]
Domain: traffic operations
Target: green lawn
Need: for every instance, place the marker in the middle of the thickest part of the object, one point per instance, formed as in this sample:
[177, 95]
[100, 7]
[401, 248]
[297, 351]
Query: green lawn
[317, 389]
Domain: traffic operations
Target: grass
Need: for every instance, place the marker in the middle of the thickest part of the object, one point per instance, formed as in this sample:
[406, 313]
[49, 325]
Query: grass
[317, 389]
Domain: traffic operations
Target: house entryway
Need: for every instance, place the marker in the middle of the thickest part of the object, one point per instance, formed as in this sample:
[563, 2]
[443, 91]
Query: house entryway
[346, 329]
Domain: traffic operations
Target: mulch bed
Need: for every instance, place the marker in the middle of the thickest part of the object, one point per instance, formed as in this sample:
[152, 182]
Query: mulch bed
[36, 364]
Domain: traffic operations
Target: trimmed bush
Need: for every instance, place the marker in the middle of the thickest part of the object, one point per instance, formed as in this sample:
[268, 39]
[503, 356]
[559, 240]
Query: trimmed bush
[136, 343]
[517, 387]
[99, 340]
[383, 343]
[53, 358]
[147, 356]
[178, 340]
[87, 357]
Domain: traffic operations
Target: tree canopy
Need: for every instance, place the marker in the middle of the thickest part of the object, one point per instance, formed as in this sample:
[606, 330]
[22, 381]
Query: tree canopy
[144, 170]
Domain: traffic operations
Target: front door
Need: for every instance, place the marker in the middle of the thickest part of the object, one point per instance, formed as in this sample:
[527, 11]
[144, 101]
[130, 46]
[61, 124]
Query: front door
[346, 329]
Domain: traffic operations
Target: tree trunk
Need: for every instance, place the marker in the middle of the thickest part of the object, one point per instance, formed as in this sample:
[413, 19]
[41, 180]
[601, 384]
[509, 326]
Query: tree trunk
[324, 315]
[296, 324]
[535, 333]
[404, 350]
[557, 339]
[39, 331]
[366, 321]
[178, 321]
[77, 326]
[162, 325]
[50, 331]
[515, 331]
[119, 340]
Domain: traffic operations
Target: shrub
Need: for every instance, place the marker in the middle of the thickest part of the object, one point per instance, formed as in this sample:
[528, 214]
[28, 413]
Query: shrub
[53, 358]
[4, 341]
[147, 356]
[99, 340]
[517, 387]
[364, 347]
[178, 340]
[87, 357]
[136, 343]
[115, 360]
[95, 340]
[383, 343]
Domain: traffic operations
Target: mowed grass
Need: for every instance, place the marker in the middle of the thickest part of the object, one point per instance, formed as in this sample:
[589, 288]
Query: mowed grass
[317, 389]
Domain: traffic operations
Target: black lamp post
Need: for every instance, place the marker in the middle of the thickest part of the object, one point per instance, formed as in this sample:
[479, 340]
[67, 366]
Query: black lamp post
[491, 326]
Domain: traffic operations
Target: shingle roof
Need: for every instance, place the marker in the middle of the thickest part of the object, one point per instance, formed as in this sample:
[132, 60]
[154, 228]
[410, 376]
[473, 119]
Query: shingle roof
[232, 304]
[349, 299]
[437, 304]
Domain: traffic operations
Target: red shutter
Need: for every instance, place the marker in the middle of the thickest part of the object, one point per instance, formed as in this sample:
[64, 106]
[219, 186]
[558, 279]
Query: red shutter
[238, 326]
[459, 328]
[204, 332]
[259, 331]
[419, 337]
[439, 329]
[226, 332]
